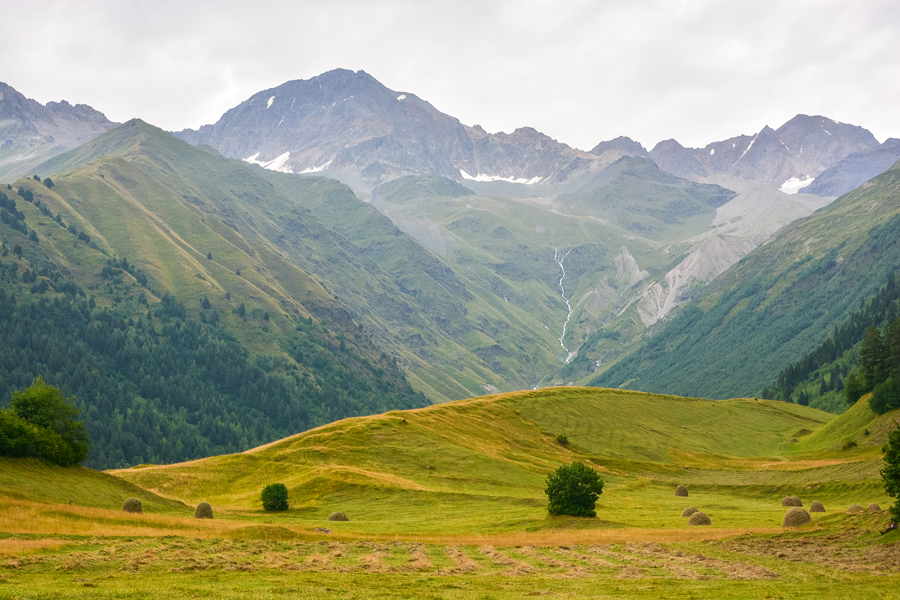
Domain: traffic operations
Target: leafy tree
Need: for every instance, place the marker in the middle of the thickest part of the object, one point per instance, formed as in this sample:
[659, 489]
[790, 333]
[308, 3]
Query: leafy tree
[48, 182]
[209, 255]
[274, 497]
[890, 474]
[573, 490]
[37, 178]
[40, 422]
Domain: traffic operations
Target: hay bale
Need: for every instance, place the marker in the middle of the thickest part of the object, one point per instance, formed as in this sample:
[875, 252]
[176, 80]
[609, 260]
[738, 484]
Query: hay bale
[874, 508]
[791, 501]
[204, 511]
[794, 440]
[689, 511]
[699, 518]
[797, 501]
[337, 516]
[796, 517]
[133, 505]
[681, 491]
[854, 509]
[816, 506]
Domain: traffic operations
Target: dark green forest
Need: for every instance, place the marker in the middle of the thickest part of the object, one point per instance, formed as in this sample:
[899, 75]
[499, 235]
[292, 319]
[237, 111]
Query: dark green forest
[818, 378]
[161, 385]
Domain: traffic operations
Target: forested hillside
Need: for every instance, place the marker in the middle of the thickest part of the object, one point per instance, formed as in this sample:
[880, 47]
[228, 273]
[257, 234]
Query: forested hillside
[817, 379]
[159, 381]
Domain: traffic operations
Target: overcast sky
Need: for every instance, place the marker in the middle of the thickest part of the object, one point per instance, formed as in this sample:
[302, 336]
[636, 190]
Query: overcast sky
[581, 71]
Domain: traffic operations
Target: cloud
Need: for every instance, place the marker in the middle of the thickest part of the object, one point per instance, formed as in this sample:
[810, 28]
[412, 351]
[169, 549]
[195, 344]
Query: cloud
[579, 71]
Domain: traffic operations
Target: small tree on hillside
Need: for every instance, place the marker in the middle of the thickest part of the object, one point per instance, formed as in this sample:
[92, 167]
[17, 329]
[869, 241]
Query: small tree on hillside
[573, 490]
[274, 497]
[42, 423]
[890, 474]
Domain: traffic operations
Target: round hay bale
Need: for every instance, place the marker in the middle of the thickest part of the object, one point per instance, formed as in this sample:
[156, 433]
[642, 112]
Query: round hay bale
[699, 518]
[204, 511]
[855, 508]
[337, 516]
[816, 506]
[791, 501]
[681, 491]
[133, 505]
[797, 501]
[793, 440]
[689, 511]
[874, 508]
[796, 517]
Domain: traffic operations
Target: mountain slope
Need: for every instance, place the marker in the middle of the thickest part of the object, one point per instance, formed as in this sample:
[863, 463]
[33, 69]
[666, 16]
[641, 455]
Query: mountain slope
[30, 132]
[777, 303]
[169, 309]
[855, 169]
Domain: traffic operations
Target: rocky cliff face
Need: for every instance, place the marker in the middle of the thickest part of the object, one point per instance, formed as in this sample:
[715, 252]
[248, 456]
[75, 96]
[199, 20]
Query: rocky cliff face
[31, 132]
[350, 126]
[788, 158]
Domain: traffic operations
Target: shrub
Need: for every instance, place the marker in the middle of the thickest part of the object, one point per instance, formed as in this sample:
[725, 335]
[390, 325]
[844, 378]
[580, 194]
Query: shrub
[41, 423]
[848, 443]
[274, 497]
[562, 440]
[573, 490]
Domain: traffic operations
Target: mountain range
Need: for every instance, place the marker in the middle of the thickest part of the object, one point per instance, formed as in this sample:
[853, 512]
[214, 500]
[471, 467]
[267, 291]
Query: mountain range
[364, 251]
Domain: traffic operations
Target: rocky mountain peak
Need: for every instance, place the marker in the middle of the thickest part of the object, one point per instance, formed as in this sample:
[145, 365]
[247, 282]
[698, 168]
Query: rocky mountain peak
[31, 132]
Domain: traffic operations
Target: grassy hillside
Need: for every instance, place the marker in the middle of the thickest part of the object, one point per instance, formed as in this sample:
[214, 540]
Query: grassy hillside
[776, 304]
[479, 465]
[447, 501]
[143, 287]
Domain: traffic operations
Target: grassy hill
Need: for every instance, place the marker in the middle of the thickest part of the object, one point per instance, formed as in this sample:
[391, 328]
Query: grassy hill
[447, 501]
[479, 465]
[775, 305]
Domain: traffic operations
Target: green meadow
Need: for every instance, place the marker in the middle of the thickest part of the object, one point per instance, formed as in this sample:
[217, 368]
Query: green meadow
[447, 502]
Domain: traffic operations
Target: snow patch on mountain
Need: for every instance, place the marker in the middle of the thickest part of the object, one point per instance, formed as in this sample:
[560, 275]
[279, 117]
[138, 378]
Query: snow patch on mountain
[318, 169]
[276, 164]
[401, 97]
[795, 184]
[271, 100]
[487, 178]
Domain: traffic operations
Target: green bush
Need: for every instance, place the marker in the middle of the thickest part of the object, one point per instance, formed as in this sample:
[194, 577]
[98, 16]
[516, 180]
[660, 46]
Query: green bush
[562, 440]
[848, 443]
[41, 423]
[274, 497]
[573, 490]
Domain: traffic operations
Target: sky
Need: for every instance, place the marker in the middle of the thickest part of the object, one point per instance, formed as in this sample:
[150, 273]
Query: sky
[581, 71]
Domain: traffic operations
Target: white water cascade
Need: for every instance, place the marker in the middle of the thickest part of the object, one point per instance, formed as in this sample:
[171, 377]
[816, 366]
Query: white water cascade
[559, 257]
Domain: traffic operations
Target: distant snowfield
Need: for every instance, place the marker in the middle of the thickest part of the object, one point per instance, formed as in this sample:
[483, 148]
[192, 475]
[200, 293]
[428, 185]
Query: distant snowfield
[795, 184]
[482, 177]
[276, 164]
